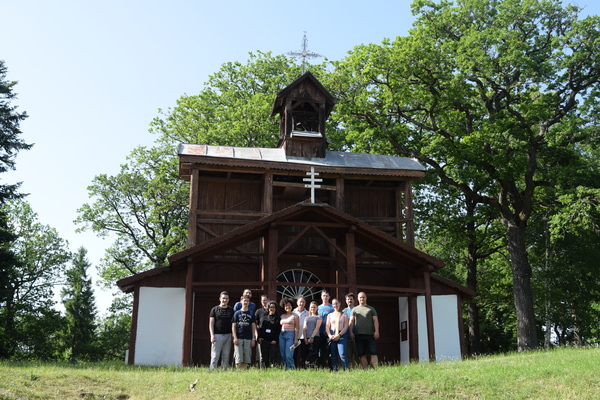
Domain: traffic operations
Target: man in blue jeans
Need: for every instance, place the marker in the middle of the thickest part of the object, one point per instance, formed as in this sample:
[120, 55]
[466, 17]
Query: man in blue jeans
[324, 310]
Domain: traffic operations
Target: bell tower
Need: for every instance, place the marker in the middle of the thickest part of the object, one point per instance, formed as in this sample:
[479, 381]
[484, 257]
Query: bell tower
[303, 107]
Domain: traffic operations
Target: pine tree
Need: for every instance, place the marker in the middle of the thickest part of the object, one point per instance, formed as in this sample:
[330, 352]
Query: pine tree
[10, 144]
[80, 309]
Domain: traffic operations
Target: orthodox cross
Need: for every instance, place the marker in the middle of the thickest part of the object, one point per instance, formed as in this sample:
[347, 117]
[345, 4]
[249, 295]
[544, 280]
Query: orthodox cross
[304, 53]
[313, 183]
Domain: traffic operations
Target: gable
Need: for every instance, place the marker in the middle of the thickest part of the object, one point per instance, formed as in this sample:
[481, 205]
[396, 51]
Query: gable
[305, 88]
[368, 238]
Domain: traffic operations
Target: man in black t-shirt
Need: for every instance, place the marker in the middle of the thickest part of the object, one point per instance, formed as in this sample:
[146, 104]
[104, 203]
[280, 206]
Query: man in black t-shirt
[219, 326]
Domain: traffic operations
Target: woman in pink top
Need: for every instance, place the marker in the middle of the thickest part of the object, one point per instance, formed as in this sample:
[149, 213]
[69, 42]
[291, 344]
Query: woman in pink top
[288, 338]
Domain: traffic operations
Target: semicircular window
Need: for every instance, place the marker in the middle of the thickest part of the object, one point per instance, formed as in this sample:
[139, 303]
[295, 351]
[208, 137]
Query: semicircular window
[310, 293]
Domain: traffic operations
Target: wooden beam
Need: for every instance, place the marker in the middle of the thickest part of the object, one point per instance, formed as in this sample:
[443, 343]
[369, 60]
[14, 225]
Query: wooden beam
[263, 265]
[294, 240]
[301, 185]
[228, 179]
[213, 234]
[268, 193]
[220, 221]
[193, 207]
[271, 254]
[319, 224]
[399, 214]
[429, 316]
[340, 199]
[461, 327]
[288, 117]
[413, 329]
[251, 285]
[187, 318]
[391, 289]
[331, 242]
[134, 325]
[351, 260]
[205, 229]
[409, 214]
[382, 219]
[233, 213]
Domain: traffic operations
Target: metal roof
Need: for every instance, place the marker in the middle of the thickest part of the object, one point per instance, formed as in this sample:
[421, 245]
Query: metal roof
[332, 159]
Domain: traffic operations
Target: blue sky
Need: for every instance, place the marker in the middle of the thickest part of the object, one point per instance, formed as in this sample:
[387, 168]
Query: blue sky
[92, 76]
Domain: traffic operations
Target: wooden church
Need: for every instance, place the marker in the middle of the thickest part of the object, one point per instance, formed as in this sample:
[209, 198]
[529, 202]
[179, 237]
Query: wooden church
[294, 220]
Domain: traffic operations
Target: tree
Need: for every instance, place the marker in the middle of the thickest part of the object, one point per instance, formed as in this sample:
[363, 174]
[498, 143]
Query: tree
[144, 208]
[113, 330]
[482, 92]
[461, 232]
[234, 107]
[10, 144]
[10, 131]
[80, 309]
[41, 256]
[570, 226]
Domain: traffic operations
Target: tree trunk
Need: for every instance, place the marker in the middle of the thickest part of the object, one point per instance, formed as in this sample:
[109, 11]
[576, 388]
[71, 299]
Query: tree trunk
[547, 289]
[7, 349]
[473, 309]
[523, 296]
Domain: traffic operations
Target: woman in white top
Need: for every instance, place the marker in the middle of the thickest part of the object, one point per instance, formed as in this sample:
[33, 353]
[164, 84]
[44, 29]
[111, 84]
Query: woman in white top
[302, 313]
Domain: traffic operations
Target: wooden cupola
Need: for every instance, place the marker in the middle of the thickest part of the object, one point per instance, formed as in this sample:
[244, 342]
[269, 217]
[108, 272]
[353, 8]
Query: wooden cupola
[304, 107]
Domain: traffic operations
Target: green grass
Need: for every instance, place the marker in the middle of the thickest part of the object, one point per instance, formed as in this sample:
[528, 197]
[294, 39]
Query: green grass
[557, 374]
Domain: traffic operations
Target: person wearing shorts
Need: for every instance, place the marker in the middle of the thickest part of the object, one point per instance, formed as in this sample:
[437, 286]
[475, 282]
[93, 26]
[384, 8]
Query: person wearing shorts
[364, 326]
[244, 335]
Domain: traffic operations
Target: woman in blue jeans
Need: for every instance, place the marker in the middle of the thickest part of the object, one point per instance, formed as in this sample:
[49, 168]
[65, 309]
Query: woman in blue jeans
[288, 338]
[337, 327]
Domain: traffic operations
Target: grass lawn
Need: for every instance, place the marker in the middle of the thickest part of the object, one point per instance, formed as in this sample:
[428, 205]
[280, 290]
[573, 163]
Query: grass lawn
[557, 374]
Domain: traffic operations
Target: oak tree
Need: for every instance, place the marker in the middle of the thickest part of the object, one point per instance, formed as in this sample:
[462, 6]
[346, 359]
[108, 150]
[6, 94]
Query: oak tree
[479, 91]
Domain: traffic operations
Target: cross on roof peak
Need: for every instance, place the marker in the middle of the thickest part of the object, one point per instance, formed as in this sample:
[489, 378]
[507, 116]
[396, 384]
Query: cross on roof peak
[304, 53]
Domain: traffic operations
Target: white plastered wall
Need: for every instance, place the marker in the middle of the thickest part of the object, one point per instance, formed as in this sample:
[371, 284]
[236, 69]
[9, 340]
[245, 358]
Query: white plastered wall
[159, 326]
[445, 327]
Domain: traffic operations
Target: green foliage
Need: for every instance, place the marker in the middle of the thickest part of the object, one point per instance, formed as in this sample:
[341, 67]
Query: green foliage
[486, 94]
[144, 208]
[80, 309]
[37, 334]
[10, 144]
[8, 261]
[234, 107]
[41, 255]
[113, 330]
[10, 131]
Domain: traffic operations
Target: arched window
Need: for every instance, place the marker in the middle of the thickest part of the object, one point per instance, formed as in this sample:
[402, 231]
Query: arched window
[310, 293]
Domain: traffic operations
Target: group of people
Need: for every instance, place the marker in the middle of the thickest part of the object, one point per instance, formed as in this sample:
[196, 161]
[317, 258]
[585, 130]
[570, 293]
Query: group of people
[323, 336]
